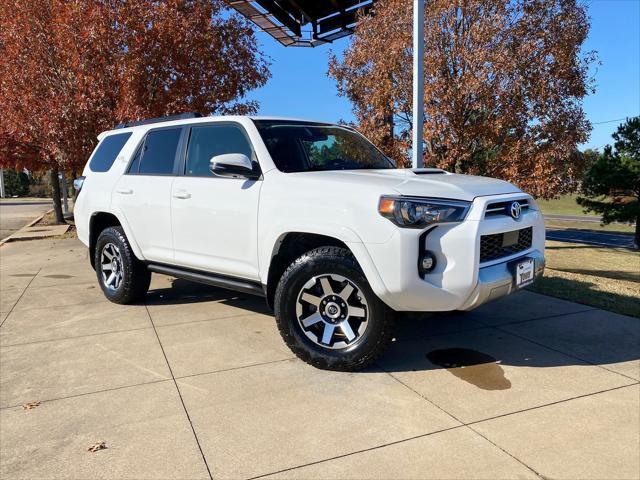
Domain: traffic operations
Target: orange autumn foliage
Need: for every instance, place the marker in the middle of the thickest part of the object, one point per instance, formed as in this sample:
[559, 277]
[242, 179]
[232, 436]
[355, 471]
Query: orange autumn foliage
[70, 69]
[504, 83]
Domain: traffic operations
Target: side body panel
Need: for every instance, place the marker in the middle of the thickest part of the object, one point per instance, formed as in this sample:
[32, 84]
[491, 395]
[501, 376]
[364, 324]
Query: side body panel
[299, 203]
[145, 202]
[215, 224]
[215, 218]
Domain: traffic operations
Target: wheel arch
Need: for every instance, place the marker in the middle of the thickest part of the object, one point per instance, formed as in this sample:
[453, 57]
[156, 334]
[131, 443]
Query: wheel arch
[281, 254]
[98, 222]
[289, 246]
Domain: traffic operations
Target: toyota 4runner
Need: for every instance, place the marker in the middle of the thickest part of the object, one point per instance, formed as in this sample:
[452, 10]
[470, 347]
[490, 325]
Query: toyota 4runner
[309, 215]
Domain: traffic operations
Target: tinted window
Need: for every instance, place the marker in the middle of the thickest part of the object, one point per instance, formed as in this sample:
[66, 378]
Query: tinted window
[209, 141]
[107, 151]
[159, 152]
[302, 147]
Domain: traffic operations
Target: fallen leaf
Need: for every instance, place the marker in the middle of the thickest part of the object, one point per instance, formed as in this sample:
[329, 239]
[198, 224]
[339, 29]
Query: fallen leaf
[30, 405]
[97, 446]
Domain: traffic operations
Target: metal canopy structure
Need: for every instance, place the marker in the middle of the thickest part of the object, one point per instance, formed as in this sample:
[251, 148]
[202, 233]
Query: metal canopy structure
[308, 23]
[303, 23]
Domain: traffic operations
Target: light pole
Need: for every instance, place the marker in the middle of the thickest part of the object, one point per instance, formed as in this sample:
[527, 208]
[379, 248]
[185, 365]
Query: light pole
[418, 83]
[63, 187]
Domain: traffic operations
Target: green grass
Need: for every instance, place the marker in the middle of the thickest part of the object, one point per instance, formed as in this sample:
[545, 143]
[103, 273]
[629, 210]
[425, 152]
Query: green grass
[602, 277]
[591, 226]
[565, 205]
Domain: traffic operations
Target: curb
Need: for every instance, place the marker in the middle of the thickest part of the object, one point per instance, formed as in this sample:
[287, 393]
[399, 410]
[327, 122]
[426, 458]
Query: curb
[30, 224]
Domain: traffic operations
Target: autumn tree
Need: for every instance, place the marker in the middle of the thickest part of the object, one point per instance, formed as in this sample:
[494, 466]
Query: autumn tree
[71, 69]
[186, 55]
[503, 87]
[611, 186]
[55, 75]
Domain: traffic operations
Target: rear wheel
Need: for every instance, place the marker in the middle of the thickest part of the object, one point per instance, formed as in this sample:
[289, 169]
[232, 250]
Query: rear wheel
[327, 313]
[122, 277]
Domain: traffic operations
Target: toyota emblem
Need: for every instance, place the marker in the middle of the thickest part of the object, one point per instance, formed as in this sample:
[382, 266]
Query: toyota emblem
[516, 210]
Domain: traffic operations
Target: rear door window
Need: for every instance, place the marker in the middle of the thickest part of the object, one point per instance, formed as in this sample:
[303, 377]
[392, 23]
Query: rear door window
[158, 153]
[107, 151]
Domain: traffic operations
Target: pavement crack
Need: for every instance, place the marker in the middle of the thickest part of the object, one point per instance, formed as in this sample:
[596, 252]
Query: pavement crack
[20, 297]
[521, 462]
[236, 368]
[536, 407]
[175, 383]
[130, 362]
[356, 452]
[75, 337]
[48, 400]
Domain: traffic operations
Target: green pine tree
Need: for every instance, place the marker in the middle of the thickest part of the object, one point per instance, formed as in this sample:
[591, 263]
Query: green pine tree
[16, 183]
[611, 187]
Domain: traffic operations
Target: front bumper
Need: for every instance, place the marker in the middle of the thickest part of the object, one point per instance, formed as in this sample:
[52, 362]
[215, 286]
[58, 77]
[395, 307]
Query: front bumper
[497, 280]
[460, 280]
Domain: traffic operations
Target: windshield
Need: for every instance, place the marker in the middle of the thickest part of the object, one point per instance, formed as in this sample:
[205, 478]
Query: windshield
[305, 147]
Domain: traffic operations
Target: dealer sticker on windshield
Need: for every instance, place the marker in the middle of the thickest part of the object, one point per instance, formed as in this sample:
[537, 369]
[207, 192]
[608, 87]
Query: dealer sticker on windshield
[524, 273]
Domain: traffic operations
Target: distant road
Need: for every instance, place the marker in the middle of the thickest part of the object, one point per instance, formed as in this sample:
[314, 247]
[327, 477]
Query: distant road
[15, 213]
[605, 239]
[574, 218]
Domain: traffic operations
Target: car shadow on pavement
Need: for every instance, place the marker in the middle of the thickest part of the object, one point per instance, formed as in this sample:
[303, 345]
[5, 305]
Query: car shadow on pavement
[466, 345]
[182, 292]
[477, 352]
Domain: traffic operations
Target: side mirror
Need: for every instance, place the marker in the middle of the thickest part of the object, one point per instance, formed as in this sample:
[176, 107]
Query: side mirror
[234, 165]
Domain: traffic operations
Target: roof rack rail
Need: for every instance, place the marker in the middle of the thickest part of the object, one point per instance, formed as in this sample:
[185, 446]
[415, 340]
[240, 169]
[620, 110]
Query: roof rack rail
[167, 118]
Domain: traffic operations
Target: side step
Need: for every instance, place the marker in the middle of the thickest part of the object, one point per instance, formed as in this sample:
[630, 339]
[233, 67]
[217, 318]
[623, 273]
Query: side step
[222, 281]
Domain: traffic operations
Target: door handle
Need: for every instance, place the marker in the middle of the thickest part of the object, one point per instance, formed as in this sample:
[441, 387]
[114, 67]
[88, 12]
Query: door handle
[124, 191]
[182, 195]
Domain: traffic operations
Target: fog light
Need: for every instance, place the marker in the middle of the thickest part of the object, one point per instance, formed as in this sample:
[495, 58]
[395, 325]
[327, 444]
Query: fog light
[427, 262]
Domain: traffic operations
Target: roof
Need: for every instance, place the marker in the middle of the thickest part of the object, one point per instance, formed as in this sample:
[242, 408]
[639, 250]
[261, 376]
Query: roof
[303, 23]
[192, 119]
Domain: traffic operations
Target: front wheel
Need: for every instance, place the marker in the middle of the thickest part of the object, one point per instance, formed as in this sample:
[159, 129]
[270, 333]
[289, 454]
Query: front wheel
[327, 313]
[122, 277]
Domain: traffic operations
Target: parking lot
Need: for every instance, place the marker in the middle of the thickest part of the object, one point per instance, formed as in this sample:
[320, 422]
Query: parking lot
[196, 383]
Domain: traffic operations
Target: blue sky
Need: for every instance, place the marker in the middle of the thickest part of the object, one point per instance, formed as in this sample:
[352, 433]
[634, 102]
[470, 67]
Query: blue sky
[299, 86]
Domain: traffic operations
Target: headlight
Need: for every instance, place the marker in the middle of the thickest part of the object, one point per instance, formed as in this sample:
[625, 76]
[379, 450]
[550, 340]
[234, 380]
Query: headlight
[415, 212]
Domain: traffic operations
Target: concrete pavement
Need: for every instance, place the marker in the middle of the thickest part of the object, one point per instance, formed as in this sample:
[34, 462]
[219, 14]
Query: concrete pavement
[196, 383]
[15, 213]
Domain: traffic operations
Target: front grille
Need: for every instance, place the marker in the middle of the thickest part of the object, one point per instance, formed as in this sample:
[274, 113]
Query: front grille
[503, 208]
[501, 245]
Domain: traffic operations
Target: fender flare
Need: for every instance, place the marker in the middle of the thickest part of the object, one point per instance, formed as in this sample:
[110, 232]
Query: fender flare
[125, 226]
[349, 237]
[269, 247]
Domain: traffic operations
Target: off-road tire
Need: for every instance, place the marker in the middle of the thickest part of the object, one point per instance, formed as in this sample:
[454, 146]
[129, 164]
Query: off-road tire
[338, 261]
[135, 275]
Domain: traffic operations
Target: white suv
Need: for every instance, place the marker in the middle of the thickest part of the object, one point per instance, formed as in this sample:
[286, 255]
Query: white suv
[309, 215]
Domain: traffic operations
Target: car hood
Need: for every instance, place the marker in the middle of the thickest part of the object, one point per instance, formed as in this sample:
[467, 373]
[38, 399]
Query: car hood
[419, 182]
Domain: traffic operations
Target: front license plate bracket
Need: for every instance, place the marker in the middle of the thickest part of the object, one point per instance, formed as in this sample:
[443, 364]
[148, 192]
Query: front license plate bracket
[524, 272]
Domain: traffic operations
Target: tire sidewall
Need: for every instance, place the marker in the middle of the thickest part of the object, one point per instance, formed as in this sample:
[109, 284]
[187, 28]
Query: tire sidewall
[111, 235]
[305, 268]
